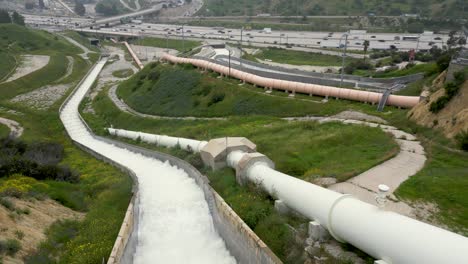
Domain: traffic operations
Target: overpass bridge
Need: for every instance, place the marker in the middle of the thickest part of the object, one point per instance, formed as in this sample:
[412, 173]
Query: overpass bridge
[108, 20]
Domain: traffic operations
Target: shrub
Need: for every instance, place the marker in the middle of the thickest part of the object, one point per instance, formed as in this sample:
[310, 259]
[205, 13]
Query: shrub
[451, 89]
[19, 234]
[9, 246]
[462, 140]
[153, 75]
[216, 98]
[7, 203]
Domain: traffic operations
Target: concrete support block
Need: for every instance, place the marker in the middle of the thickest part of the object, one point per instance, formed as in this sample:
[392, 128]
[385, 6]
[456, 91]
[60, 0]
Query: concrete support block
[317, 232]
[281, 207]
[311, 95]
[214, 153]
[246, 162]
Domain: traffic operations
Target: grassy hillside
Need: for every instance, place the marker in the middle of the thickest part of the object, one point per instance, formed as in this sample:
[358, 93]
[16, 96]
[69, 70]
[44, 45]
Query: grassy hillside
[297, 57]
[7, 65]
[22, 40]
[183, 91]
[30, 41]
[4, 131]
[433, 8]
[103, 192]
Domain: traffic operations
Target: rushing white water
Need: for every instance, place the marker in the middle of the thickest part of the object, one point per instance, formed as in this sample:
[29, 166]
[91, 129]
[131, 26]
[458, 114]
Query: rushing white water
[175, 224]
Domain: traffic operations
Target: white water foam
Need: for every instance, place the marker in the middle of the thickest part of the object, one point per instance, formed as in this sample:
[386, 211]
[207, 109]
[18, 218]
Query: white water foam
[175, 224]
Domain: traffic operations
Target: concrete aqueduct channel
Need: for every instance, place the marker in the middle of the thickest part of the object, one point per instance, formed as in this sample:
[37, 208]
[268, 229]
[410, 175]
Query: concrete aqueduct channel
[174, 221]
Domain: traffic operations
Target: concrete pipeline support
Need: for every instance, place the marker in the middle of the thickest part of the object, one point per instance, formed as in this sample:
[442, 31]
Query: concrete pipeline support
[386, 236]
[293, 87]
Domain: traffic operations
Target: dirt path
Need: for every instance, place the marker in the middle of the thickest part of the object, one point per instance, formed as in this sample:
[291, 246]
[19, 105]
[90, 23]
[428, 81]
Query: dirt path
[86, 51]
[16, 130]
[393, 172]
[70, 64]
[29, 64]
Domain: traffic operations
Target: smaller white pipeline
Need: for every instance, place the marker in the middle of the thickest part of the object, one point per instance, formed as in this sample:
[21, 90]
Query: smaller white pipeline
[160, 140]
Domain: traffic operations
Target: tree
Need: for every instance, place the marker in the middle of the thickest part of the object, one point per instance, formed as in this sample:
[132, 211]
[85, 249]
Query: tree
[4, 17]
[17, 18]
[79, 8]
[41, 4]
[366, 46]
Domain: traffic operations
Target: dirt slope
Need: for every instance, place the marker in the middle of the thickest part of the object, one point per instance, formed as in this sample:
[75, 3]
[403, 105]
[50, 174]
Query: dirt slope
[452, 119]
[33, 225]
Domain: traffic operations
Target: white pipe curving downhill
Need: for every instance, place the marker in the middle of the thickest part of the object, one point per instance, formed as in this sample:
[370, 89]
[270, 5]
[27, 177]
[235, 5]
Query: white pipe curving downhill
[299, 87]
[174, 221]
[387, 236]
[160, 140]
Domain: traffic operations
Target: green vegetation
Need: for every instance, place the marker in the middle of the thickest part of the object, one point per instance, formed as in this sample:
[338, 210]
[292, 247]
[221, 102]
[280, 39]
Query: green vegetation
[124, 73]
[451, 89]
[103, 192]
[9, 246]
[292, 145]
[110, 8]
[456, 9]
[176, 44]
[55, 69]
[462, 140]
[21, 40]
[82, 39]
[7, 65]
[297, 57]
[183, 91]
[4, 131]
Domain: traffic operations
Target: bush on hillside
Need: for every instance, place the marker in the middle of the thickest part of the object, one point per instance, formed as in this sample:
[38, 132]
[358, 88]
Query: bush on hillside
[451, 89]
[9, 246]
[216, 98]
[462, 140]
[36, 160]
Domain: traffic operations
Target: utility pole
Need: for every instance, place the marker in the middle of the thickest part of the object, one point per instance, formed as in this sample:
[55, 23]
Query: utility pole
[183, 39]
[344, 56]
[240, 58]
[229, 63]
[167, 42]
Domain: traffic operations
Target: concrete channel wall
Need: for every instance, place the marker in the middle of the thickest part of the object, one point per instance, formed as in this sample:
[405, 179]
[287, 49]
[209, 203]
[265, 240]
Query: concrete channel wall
[241, 241]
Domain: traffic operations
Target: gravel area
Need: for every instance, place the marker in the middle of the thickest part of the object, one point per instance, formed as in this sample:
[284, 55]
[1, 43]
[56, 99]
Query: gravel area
[44, 97]
[29, 64]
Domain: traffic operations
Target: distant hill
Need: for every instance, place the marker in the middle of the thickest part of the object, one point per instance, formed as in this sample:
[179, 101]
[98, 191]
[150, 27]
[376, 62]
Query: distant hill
[426, 8]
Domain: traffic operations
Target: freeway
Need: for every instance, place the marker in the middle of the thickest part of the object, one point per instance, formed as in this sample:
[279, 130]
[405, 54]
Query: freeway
[305, 40]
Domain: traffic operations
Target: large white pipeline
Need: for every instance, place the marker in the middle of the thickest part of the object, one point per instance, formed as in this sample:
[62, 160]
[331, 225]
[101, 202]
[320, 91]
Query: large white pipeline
[299, 87]
[382, 234]
[175, 225]
[160, 140]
